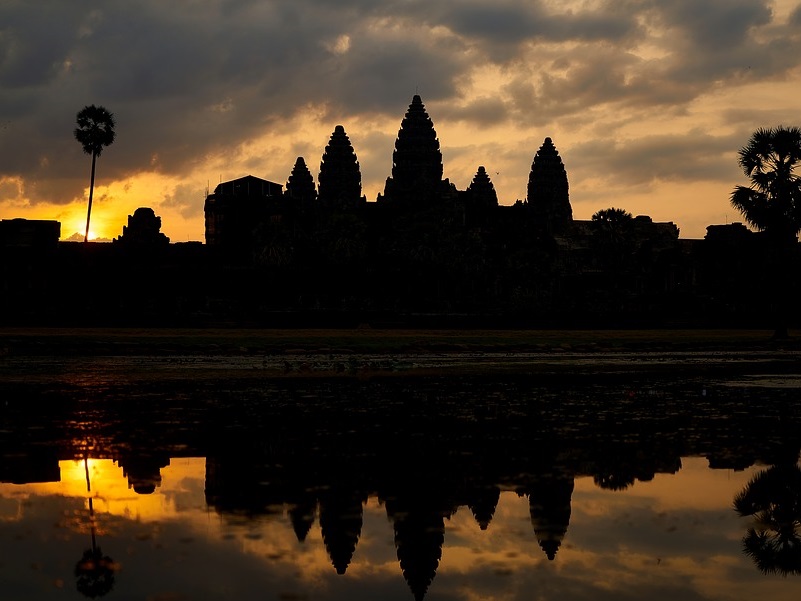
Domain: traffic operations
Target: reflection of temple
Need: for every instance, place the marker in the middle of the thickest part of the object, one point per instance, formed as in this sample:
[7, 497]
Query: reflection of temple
[341, 525]
[549, 503]
[321, 447]
[484, 500]
[419, 535]
[144, 471]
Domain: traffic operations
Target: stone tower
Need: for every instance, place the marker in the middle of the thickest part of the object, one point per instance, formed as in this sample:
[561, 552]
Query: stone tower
[143, 229]
[340, 179]
[548, 196]
[300, 185]
[481, 191]
[417, 161]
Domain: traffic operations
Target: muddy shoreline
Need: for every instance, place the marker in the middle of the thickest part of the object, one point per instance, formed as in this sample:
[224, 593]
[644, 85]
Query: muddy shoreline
[179, 354]
[139, 341]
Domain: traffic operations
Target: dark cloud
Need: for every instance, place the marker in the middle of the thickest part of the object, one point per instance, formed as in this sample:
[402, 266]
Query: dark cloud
[482, 111]
[32, 50]
[694, 156]
[195, 79]
[186, 85]
[723, 41]
[187, 199]
[380, 74]
[507, 22]
[795, 17]
[714, 25]
[753, 118]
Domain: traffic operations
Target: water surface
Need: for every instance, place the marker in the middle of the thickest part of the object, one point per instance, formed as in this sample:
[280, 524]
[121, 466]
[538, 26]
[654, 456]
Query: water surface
[582, 484]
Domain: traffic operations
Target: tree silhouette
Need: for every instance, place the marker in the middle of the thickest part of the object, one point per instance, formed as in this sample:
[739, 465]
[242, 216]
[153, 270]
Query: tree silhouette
[772, 203]
[95, 129]
[773, 497]
[612, 216]
[613, 227]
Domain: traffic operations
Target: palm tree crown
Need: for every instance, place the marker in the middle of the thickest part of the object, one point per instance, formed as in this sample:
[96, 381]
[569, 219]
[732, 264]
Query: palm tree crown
[773, 200]
[95, 129]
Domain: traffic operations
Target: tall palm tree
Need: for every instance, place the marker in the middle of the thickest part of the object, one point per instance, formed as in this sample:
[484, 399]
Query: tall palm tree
[95, 130]
[772, 203]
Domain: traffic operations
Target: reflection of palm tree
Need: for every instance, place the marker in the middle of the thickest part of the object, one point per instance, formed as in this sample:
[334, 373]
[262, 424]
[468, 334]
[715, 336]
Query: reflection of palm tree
[773, 497]
[94, 572]
[615, 481]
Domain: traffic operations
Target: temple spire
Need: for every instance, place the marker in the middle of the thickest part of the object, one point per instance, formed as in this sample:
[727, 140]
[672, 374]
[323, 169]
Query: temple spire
[416, 161]
[340, 179]
[482, 192]
[300, 185]
[548, 196]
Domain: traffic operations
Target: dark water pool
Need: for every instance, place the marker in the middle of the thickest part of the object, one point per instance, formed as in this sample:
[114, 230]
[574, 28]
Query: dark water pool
[661, 484]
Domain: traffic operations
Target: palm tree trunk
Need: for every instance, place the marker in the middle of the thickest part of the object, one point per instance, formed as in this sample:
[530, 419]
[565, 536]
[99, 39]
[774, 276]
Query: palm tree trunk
[91, 192]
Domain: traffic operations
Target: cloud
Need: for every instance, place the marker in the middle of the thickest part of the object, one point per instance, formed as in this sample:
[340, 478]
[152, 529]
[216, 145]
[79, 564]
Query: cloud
[483, 110]
[689, 157]
[201, 88]
[78, 237]
[714, 25]
[187, 199]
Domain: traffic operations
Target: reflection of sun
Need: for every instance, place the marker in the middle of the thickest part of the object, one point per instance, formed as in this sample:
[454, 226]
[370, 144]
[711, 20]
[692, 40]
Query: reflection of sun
[75, 470]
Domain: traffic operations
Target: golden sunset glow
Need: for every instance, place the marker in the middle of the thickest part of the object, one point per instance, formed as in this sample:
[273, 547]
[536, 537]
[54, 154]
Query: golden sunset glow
[646, 103]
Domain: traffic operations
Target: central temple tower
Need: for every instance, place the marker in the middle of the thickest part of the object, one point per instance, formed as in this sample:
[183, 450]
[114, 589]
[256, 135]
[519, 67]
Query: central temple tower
[548, 194]
[416, 162]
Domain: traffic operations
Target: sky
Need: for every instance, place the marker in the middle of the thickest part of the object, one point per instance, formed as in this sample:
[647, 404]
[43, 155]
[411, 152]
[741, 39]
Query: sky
[647, 101]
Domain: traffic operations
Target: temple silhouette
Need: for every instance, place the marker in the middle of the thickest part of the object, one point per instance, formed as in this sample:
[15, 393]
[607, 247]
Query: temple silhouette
[423, 252]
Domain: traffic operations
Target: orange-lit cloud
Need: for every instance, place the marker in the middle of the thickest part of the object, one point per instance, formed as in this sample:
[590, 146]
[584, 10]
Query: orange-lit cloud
[646, 101]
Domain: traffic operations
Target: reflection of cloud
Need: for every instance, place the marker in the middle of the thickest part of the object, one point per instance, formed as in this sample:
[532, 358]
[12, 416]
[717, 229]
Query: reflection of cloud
[674, 537]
